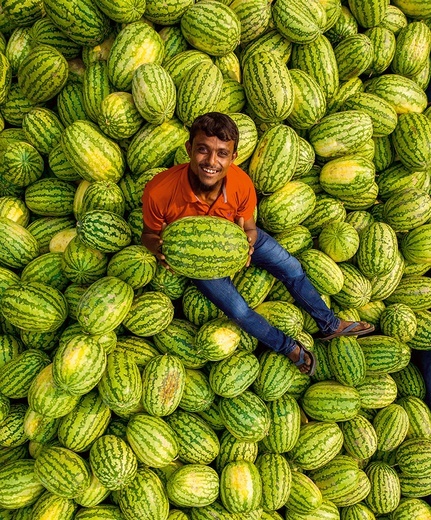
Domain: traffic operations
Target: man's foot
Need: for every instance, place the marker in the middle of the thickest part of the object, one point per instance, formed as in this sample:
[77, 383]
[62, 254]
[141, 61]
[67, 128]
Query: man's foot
[304, 359]
[349, 328]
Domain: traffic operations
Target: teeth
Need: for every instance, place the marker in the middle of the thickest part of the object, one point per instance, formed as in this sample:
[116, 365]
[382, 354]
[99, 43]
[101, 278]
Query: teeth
[208, 170]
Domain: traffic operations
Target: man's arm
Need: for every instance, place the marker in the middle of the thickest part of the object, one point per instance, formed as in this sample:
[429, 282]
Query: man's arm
[249, 227]
[152, 241]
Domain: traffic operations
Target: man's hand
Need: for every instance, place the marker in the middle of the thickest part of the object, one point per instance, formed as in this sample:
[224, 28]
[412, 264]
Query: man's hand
[250, 230]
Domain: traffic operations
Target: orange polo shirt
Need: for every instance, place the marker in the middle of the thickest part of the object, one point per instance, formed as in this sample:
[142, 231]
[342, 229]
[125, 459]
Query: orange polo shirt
[169, 196]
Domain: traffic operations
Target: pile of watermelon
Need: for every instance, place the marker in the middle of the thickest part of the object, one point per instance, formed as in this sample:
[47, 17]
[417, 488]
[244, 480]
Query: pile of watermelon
[124, 392]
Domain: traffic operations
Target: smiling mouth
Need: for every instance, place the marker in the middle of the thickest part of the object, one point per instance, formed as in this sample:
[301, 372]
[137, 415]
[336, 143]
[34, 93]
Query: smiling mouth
[209, 171]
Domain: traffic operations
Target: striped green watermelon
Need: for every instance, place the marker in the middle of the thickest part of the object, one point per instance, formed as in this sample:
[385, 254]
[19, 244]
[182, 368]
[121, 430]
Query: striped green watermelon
[34, 306]
[163, 381]
[398, 321]
[331, 401]
[112, 297]
[113, 462]
[46, 398]
[269, 175]
[240, 487]
[385, 491]
[417, 410]
[62, 471]
[124, 11]
[153, 146]
[149, 313]
[231, 376]
[304, 497]
[154, 93]
[78, 364]
[318, 443]
[118, 116]
[144, 497]
[318, 60]
[341, 133]
[198, 442]
[410, 140]
[354, 54]
[286, 207]
[121, 386]
[299, 23]
[152, 440]
[403, 93]
[276, 478]
[104, 230]
[368, 13]
[232, 244]
[345, 25]
[193, 485]
[360, 438]
[44, 31]
[412, 50]
[391, 425]
[205, 78]
[394, 19]
[50, 197]
[377, 391]
[245, 416]
[95, 87]
[137, 43]
[42, 128]
[268, 86]
[179, 338]
[413, 291]
[52, 505]
[85, 423]
[232, 449]
[18, 374]
[179, 65]
[99, 159]
[42, 74]
[70, 104]
[22, 486]
[225, 32]
[377, 250]
[90, 25]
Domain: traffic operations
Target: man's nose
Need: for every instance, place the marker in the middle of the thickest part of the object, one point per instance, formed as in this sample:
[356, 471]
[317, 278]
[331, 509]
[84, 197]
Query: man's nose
[213, 157]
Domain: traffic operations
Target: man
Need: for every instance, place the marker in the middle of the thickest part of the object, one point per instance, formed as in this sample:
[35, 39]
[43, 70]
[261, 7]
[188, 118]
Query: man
[210, 184]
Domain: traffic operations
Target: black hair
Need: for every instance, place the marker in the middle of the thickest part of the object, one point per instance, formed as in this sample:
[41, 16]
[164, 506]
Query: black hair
[216, 124]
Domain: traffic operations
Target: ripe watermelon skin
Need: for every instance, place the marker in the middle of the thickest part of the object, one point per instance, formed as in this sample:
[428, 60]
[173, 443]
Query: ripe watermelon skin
[24, 486]
[101, 159]
[90, 25]
[268, 87]
[204, 247]
[331, 401]
[240, 487]
[193, 485]
[34, 306]
[211, 27]
[62, 471]
[144, 494]
[35, 74]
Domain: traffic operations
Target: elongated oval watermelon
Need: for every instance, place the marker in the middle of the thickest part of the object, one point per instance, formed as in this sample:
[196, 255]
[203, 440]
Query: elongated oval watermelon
[205, 247]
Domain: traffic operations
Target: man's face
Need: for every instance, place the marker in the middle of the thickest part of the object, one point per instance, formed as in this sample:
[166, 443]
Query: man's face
[210, 159]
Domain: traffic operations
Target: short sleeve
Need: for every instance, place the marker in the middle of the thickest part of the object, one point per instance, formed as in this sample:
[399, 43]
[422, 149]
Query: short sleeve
[248, 200]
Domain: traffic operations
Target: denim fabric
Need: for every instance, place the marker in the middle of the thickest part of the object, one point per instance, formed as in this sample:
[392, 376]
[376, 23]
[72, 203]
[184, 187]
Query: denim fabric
[269, 255]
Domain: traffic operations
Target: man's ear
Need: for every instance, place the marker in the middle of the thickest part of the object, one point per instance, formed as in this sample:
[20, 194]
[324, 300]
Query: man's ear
[234, 156]
[188, 148]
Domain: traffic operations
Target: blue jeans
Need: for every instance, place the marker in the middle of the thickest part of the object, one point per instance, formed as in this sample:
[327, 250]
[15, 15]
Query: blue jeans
[270, 255]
